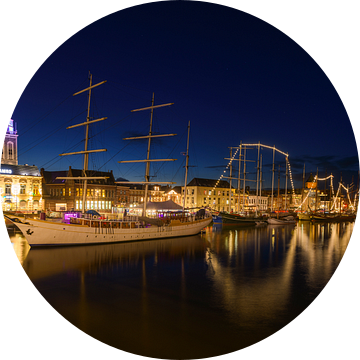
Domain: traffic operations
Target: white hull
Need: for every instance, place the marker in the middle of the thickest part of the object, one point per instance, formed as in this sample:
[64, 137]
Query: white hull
[41, 232]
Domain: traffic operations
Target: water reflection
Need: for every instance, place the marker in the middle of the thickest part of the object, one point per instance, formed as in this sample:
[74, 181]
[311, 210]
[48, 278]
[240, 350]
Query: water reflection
[167, 298]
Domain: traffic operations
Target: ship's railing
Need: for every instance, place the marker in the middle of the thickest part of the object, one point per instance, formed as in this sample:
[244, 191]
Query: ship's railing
[132, 221]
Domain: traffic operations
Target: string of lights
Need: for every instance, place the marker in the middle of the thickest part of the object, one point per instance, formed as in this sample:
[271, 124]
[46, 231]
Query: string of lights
[263, 146]
[331, 177]
[227, 167]
[306, 195]
[290, 174]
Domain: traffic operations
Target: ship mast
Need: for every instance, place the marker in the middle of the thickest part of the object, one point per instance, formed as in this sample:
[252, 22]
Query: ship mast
[148, 160]
[186, 165]
[86, 151]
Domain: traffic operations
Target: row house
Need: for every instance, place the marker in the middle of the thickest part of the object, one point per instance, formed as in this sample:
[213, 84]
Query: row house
[216, 195]
[62, 194]
[156, 193]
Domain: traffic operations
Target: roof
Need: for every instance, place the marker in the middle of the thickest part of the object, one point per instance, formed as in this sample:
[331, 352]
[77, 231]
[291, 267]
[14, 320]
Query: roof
[50, 176]
[24, 170]
[311, 178]
[208, 183]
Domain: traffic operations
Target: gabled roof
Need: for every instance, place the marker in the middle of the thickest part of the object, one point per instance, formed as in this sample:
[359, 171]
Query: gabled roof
[50, 176]
[7, 169]
[208, 183]
[311, 178]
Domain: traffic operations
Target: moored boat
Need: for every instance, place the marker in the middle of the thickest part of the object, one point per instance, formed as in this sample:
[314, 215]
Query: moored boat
[88, 231]
[284, 221]
[333, 217]
[217, 219]
[236, 219]
[304, 216]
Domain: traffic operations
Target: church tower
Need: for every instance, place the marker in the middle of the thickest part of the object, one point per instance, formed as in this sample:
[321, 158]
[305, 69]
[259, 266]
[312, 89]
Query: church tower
[10, 152]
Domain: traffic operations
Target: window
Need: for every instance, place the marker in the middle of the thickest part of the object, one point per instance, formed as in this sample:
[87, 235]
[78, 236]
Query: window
[36, 190]
[22, 189]
[69, 191]
[77, 192]
[10, 147]
[103, 193]
[92, 192]
[7, 189]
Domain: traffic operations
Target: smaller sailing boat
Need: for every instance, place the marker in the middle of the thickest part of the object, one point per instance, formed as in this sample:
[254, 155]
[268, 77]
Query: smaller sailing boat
[87, 230]
[283, 221]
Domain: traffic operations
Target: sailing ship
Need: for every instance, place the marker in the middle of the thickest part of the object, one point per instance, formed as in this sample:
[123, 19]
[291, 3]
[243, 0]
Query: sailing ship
[237, 219]
[90, 230]
[332, 217]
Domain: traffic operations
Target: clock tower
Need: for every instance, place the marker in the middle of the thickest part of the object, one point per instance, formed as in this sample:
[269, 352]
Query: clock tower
[10, 153]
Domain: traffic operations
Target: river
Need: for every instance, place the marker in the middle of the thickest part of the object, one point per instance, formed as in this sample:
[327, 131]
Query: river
[192, 297]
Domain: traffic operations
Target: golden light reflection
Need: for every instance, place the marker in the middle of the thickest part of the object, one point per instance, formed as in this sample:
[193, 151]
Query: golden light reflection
[21, 246]
[309, 249]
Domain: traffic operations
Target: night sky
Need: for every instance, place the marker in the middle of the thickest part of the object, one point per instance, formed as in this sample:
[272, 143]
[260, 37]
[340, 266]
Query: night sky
[233, 76]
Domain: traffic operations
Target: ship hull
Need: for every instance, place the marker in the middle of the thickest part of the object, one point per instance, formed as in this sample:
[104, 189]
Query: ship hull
[234, 219]
[273, 221]
[45, 233]
[304, 217]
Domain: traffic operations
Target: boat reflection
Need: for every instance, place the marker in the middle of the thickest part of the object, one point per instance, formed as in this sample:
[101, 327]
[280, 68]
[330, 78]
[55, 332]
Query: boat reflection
[90, 259]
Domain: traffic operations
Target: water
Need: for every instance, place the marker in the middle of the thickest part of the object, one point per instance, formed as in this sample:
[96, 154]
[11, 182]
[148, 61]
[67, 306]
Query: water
[193, 297]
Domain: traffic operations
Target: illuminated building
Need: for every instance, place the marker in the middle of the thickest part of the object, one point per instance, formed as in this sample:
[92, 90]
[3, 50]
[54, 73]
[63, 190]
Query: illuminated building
[20, 185]
[102, 195]
[215, 194]
[200, 193]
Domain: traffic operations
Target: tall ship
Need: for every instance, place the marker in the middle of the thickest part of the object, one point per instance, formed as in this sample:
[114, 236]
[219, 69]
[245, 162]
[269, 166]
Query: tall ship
[89, 229]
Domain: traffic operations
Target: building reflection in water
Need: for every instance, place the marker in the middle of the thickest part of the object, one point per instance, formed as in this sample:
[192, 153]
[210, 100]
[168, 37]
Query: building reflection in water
[199, 296]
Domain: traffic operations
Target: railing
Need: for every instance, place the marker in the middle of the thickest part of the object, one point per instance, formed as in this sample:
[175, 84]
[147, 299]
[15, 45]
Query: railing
[131, 221]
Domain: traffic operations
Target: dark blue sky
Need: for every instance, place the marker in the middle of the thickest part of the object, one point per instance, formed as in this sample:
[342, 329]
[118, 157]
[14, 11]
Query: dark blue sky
[233, 76]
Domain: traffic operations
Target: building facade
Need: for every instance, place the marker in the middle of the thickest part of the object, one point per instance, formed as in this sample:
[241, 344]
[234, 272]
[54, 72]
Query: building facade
[20, 185]
[201, 193]
[102, 195]
[216, 196]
